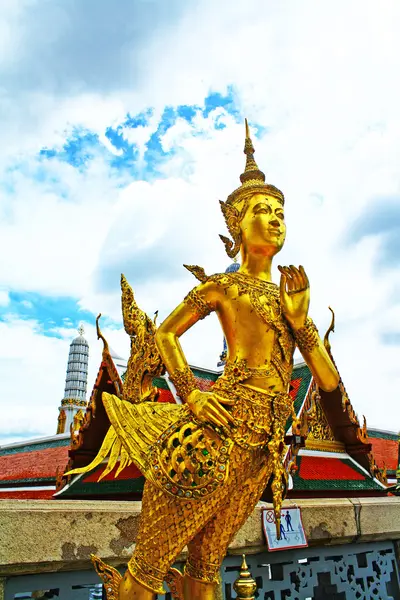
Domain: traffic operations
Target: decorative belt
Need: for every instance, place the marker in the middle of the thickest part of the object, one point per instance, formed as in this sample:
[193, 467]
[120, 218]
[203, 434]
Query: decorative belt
[239, 371]
[253, 411]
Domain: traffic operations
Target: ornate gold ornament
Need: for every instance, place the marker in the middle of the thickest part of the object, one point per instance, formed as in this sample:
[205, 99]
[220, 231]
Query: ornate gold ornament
[62, 418]
[245, 586]
[317, 421]
[110, 577]
[145, 361]
[73, 402]
[184, 381]
[207, 461]
[307, 337]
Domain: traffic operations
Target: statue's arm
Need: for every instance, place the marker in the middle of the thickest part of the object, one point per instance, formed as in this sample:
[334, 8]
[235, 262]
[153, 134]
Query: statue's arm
[197, 304]
[295, 301]
[317, 358]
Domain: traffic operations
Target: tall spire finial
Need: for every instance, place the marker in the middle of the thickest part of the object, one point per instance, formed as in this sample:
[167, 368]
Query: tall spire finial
[251, 171]
[81, 329]
[247, 129]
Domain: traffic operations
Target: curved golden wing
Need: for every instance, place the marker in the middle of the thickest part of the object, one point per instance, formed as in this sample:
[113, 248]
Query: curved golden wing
[145, 361]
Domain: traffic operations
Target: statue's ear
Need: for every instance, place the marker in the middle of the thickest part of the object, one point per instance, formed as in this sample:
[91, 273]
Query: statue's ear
[231, 215]
[231, 248]
[227, 243]
[232, 219]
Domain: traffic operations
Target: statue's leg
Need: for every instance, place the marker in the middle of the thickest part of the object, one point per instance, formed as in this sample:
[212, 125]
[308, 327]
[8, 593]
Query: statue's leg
[130, 589]
[167, 524]
[198, 590]
[208, 548]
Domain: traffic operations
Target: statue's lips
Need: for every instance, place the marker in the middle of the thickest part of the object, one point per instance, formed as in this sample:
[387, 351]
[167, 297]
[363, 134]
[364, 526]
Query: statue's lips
[275, 231]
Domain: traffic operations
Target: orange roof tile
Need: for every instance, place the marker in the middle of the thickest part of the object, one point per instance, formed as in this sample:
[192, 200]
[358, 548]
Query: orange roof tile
[385, 452]
[36, 464]
[27, 495]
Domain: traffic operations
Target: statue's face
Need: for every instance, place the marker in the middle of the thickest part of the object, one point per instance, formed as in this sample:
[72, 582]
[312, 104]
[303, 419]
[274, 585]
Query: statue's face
[263, 226]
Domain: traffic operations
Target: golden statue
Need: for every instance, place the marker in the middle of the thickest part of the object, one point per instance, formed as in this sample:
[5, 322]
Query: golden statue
[208, 461]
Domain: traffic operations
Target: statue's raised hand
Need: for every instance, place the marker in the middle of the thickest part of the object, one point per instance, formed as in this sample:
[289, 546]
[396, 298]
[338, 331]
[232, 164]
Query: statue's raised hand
[295, 295]
[207, 407]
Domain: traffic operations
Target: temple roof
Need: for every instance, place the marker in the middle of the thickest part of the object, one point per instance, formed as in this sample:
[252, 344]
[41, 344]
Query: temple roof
[333, 473]
[29, 469]
[334, 461]
[384, 448]
[351, 477]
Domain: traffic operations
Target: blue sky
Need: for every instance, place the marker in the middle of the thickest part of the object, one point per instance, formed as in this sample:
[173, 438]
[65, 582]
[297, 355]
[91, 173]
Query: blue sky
[51, 312]
[80, 149]
[119, 139]
[82, 145]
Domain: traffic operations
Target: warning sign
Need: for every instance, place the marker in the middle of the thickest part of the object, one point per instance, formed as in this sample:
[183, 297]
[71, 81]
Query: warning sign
[292, 531]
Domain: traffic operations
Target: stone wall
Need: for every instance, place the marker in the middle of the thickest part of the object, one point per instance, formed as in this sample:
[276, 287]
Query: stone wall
[49, 536]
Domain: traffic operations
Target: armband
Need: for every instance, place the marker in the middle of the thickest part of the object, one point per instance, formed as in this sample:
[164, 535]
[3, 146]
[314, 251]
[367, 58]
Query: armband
[307, 337]
[184, 381]
[197, 304]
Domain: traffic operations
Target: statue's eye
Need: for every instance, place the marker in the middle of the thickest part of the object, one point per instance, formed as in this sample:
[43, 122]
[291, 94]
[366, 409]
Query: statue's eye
[262, 208]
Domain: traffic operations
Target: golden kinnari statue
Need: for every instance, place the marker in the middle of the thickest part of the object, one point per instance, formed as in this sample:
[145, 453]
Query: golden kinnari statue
[208, 461]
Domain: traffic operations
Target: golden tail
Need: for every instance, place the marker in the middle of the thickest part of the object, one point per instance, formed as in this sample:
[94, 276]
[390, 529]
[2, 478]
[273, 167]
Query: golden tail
[174, 580]
[111, 446]
[111, 577]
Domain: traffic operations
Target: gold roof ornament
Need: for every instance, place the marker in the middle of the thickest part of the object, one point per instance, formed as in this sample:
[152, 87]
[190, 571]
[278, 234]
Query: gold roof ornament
[244, 585]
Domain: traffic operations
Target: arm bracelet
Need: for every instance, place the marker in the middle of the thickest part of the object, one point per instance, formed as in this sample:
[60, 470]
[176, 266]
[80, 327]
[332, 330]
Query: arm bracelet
[197, 304]
[184, 381]
[307, 337]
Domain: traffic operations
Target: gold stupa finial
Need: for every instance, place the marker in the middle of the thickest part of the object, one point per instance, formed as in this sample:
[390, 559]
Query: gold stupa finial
[244, 585]
[252, 179]
[251, 171]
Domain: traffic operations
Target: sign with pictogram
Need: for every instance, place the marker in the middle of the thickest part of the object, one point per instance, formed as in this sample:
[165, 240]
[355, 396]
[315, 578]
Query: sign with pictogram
[291, 529]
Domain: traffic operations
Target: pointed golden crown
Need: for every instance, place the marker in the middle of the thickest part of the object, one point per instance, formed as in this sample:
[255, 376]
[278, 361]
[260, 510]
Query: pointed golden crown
[252, 179]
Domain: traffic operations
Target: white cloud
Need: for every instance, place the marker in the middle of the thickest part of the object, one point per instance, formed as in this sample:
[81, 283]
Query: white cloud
[4, 298]
[33, 368]
[319, 76]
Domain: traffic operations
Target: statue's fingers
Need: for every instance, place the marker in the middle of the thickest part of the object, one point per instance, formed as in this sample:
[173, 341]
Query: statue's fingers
[296, 277]
[304, 275]
[283, 283]
[227, 415]
[216, 417]
[221, 400]
[289, 279]
[220, 410]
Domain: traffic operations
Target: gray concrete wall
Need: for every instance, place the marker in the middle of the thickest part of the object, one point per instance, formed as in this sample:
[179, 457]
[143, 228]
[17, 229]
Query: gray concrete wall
[38, 536]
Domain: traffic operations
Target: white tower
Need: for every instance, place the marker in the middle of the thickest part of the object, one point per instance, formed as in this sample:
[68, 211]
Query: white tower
[74, 400]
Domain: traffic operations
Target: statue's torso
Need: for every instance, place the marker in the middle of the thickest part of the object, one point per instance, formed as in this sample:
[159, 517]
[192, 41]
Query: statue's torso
[255, 329]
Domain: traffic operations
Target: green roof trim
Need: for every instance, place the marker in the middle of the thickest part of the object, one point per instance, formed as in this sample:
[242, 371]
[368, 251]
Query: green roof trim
[383, 435]
[160, 383]
[205, 374]
[8, 482]
[36, 447]
[335, 484]
[302, 372]
[104, 488]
